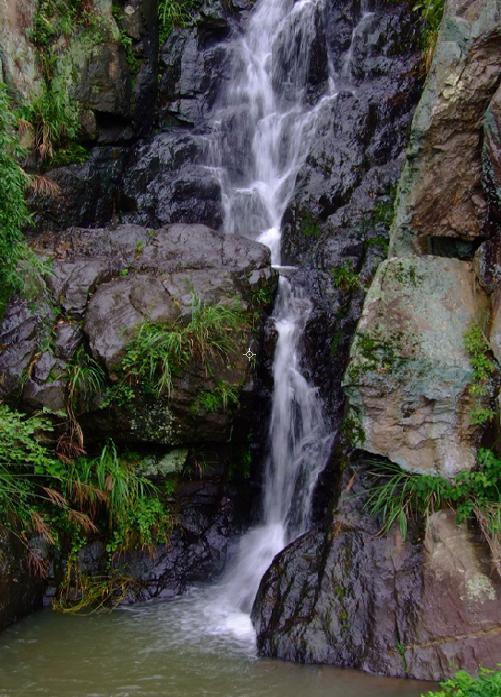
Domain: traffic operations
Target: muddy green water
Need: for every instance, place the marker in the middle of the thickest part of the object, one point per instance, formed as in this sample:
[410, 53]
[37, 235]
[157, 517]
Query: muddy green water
[165, 649]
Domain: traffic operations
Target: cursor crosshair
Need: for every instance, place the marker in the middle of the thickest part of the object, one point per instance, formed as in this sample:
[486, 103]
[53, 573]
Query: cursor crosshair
[249, 355]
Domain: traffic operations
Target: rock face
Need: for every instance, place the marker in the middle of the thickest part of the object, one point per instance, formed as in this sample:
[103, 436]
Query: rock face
[105, 284]
[440, 192]
[409, 371]
[21, 591]
[352, 597]
[359, 138]
[16, 49]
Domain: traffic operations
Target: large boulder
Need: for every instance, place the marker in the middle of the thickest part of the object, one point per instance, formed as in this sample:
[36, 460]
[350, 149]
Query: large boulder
[104, 286]
[440, 192]
[352, 597]
[409, 374]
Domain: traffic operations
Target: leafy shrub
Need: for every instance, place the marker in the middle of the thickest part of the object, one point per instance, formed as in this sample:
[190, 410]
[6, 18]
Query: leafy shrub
[400, 496]
[487, 684]
[22, 455]
[73, 502]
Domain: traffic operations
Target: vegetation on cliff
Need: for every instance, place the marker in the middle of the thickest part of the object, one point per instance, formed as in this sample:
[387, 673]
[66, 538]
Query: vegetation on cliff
[65, 504]
[400, 496]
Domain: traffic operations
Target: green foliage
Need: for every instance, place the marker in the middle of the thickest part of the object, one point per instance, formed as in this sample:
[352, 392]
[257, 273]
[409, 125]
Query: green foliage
[222, 397]
[310, 227]
[86, 379]
[21, 456]
[484, 368]
[344, 277]
[70, 503]
[174, 13]
[263, 297]
[13, 210]
[431, 12]
[160, 351]
[400, 496]
[487, 684]
[55, 118]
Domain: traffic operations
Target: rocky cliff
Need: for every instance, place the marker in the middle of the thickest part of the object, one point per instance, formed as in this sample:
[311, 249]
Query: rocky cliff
[362, 593]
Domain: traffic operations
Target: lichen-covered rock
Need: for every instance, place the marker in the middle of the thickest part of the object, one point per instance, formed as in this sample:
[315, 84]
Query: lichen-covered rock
[409, 372]
[352, 597]
[18, 60]
[441, 194]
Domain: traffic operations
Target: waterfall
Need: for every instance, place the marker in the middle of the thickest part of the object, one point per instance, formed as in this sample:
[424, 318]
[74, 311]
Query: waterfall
[263, 122]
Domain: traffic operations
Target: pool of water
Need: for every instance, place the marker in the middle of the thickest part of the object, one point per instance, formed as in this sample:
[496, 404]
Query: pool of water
[182, 648]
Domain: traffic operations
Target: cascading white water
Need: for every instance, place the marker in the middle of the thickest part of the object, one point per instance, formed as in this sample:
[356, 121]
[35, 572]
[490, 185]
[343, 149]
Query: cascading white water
[267, 110]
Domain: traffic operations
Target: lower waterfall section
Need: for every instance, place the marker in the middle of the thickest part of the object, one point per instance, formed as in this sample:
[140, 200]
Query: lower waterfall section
[299, 444]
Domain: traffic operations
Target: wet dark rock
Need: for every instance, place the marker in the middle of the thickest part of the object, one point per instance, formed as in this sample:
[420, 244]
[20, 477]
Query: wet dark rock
[86, 194]
[22, 329]
[349, 596]
[21, 590]
[197, 548]
[360, 135]
[46, 384]
[167, 182]
[192, 77]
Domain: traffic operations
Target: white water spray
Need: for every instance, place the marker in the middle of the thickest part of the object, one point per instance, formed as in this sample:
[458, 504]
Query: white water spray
[266, 105]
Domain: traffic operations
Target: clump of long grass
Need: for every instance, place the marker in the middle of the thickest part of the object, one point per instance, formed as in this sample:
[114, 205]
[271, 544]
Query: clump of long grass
[160, 351]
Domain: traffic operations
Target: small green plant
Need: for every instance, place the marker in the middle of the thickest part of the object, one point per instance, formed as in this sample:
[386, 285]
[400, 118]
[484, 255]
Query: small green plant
[344, 277]
[55, 118]
[160, 351]
[431, 12]
[221, 398]
[310, 227]
[487, 684]
[174, 13]
[400, 496]
[484, 368]
[85, 379]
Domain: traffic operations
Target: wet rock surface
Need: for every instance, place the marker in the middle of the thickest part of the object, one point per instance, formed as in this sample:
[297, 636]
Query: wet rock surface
[359, 137]
[21, 591]
[355, 598]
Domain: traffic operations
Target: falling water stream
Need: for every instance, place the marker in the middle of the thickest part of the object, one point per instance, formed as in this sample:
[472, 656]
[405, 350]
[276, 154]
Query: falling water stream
[204, 643]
